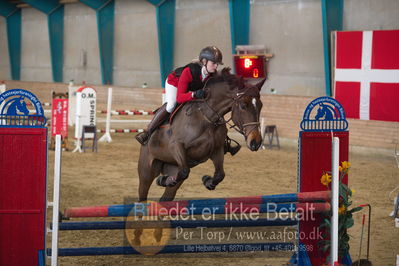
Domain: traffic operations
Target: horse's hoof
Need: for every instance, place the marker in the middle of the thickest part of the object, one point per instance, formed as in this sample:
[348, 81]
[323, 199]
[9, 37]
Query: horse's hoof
[171, 181]
[166, 181]
[136, 242]
[207, 181]
[161, 180]
[158, 234]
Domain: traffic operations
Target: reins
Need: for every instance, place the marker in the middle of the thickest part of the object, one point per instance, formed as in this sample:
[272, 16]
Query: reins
[220, 119]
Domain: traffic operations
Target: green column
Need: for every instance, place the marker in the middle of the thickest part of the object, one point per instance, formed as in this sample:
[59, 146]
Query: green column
[55, 20]
[13, 20]
[239, 22]
[105, 11]
[332, 17]
[165, 11]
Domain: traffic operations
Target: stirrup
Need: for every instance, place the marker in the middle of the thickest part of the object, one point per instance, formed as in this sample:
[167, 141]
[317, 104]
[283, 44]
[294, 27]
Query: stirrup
[231, 149]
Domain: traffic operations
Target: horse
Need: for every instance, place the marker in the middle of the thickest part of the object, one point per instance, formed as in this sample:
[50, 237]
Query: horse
[197, 133]
[16, 106]
[325, 111]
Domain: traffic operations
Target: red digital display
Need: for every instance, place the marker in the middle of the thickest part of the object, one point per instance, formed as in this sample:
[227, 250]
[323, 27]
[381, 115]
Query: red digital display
[250, 66]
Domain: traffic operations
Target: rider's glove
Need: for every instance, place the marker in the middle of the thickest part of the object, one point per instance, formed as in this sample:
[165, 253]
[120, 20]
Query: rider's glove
[199, 94]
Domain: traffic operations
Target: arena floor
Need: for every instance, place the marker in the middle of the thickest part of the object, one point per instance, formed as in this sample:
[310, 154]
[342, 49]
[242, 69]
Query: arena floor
[109, 176]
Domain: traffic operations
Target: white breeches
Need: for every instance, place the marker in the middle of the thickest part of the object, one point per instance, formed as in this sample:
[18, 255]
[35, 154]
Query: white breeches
[170, 96]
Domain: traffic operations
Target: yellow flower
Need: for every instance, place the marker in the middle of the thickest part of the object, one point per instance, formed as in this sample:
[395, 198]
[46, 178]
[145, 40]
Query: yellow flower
[341, 209]
[325, 179]
[344, 166]
[353, 191]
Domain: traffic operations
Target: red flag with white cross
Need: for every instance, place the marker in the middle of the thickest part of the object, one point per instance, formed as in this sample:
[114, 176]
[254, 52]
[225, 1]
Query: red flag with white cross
[366, 75]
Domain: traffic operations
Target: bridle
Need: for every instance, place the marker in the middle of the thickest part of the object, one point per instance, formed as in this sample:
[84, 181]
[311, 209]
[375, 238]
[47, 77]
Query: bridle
[241, 128]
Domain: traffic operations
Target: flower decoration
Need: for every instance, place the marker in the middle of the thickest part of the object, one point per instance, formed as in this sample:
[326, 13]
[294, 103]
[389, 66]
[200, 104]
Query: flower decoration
[345, 219]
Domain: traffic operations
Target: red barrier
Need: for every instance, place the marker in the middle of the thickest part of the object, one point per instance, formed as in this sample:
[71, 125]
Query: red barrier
[314, 158]
[23, 155]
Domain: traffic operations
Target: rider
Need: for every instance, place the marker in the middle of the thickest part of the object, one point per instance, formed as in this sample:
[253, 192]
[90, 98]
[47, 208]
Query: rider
[185, 84]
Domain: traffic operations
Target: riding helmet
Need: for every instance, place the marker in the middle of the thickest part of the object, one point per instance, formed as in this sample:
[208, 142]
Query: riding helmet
[211, 53]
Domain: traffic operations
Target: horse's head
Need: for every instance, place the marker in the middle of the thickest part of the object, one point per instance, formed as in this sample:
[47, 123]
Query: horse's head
[320, 112]
[227, 92]
[246, 112]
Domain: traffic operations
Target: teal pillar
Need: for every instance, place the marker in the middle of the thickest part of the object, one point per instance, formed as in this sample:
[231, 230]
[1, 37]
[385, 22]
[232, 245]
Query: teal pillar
[239, 22]
[105, 11]
[332, 17]
[13, 20]
[55, 20]
[165, 11]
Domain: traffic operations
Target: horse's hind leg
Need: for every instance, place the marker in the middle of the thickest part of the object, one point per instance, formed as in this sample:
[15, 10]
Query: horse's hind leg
[218, 160]
[168, 194]
[148, 169]
[179, 154]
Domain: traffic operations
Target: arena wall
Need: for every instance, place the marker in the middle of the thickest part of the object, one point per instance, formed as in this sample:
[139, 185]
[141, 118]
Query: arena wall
[281, 110]
[290, 29]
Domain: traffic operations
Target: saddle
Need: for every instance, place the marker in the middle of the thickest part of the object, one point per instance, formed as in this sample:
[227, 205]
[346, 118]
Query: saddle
[177, 109]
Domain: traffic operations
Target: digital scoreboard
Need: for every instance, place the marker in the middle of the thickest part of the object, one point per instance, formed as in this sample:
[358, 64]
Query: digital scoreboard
[250, 66]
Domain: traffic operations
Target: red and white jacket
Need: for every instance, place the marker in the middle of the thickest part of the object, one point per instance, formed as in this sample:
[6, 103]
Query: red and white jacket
[185, 83]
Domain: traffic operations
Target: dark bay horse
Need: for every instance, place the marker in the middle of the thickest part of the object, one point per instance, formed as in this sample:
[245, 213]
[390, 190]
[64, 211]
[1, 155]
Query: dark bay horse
[197, 134]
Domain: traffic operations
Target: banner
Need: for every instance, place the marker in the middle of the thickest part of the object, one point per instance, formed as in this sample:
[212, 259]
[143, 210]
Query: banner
[85, 110]
[59, 117]
[366, 75]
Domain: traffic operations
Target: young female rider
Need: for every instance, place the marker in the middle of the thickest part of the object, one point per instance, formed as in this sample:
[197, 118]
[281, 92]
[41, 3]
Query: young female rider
[185, 84]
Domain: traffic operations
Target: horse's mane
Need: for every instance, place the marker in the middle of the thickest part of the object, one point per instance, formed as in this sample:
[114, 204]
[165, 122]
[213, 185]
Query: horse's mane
[234, 81]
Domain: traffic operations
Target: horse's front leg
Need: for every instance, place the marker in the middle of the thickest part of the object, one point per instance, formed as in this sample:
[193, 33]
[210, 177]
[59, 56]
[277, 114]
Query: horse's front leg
[218, 160]
[179, 154]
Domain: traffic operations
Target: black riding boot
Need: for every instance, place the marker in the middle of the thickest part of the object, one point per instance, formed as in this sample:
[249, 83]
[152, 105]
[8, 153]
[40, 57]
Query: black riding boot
[232, 149]
[160, 116]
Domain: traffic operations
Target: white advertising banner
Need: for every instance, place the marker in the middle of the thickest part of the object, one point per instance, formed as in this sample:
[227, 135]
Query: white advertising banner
[85, 110]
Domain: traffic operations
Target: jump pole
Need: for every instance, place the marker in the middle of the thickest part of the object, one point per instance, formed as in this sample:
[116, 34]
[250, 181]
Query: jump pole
[78, 142]
[334, 201]
[290, 201]
[107, 136]
[137, 210]
[56, 200]
[169, 249]
[120, 225]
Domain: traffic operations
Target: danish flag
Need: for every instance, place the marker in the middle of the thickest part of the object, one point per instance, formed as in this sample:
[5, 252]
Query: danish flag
[366, 80]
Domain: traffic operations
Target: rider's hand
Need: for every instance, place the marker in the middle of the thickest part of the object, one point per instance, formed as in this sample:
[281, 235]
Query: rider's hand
[199, 94]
